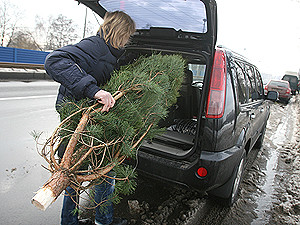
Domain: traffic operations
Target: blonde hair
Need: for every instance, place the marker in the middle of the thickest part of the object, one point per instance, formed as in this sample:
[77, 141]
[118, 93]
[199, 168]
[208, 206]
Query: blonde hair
[117, 28]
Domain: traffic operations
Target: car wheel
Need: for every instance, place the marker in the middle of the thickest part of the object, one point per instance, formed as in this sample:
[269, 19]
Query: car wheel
[238, 176]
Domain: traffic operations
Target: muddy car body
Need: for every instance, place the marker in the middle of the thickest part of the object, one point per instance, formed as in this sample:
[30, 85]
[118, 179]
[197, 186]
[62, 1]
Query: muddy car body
[222, 111]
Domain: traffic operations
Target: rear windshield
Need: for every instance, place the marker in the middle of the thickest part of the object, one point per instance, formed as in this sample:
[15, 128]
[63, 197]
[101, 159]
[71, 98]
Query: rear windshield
[279, 84]
[291, 79]
[187, 15]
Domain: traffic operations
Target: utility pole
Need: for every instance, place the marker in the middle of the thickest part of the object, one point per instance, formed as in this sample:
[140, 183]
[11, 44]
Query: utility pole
[84, 28]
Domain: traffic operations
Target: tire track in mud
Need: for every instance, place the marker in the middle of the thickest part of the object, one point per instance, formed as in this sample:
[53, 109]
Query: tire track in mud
[260, 184]
[287, 209]
[283, 132]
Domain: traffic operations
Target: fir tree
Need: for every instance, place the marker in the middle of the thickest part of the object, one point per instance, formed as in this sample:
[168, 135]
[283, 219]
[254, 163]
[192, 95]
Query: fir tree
[97, 142]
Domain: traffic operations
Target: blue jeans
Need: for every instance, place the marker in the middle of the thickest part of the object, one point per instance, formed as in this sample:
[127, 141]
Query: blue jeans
[104, 215]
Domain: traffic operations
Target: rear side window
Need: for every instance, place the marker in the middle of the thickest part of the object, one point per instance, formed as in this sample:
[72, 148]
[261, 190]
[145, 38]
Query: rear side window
[251, 80]
[260, 88]
[237, 71]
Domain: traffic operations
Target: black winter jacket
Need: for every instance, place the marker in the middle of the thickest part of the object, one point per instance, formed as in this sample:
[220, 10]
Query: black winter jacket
[82, 68]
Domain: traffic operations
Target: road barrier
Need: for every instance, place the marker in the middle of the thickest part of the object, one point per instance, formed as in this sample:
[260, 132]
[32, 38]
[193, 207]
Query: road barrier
[18, 55]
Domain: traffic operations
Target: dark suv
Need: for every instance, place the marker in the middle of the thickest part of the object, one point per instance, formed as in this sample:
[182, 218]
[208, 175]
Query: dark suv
[293, 80]
[222, 111]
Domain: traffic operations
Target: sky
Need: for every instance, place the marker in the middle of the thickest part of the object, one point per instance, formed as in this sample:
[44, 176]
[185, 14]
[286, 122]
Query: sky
[265, 31]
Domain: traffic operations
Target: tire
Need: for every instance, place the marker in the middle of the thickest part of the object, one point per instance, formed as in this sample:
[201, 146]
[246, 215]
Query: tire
[228, 192]
[238, 177]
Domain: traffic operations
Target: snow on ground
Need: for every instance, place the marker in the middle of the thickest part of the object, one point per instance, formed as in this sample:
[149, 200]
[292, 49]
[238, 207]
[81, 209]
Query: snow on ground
[287, 208]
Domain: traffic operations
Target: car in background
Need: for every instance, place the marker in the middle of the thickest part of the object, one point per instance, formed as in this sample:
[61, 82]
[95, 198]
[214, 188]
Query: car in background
[282, 87]
[293, 80]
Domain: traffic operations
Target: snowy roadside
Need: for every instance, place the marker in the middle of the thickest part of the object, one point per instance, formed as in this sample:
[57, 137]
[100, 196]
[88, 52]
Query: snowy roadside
[270, 192]
[287, 208]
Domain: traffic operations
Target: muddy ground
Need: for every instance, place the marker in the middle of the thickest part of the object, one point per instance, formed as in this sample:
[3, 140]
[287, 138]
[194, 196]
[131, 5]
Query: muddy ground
[270, 191]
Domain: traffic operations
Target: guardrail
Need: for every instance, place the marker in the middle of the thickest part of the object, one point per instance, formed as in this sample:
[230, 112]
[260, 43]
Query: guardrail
[22, 72]
[21, 65]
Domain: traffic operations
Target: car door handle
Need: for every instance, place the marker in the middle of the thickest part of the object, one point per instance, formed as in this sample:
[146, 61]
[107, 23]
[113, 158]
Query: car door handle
[262, 110]
[252, 116]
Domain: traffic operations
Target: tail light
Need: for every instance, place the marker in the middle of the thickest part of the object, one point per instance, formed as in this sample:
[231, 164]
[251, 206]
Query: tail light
[202, 172]
[217, 88]
[288, 91]
[266, 90]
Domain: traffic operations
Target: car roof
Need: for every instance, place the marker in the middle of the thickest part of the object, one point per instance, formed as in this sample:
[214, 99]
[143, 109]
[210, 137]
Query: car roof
[280, 81]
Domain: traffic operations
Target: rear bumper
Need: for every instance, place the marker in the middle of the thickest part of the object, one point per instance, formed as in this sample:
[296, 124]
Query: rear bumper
[220, 166]
[285, 96]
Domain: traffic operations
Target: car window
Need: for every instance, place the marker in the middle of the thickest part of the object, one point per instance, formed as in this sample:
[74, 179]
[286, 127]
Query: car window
[279, 83]
[198, 71]
[178, 14]
[290, 78]
[259, 83]
[237, 71]
[253, 95]
[293, 79]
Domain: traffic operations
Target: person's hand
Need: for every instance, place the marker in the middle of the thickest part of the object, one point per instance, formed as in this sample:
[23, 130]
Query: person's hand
[106, 99]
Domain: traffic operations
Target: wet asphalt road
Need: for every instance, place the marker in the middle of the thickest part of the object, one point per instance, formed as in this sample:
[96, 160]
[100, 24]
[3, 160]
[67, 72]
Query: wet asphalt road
[24, 107]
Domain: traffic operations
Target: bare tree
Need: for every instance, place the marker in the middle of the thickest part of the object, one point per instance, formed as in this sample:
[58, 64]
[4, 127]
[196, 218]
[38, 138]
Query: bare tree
[24, 39]
[9, 17]
[61, 32]
[40, 31]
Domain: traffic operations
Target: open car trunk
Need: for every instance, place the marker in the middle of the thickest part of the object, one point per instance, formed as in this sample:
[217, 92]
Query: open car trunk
[182, 123]
[181, 27]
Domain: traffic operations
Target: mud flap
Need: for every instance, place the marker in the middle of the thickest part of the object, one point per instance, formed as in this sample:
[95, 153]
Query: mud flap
[226, 190]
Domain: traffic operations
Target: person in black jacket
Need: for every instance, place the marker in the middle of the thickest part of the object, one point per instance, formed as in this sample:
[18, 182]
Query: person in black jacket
[81, 69]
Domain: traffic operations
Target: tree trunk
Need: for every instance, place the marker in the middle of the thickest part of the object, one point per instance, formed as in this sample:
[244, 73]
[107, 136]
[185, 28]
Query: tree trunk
[60, 179]
[58, 182]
